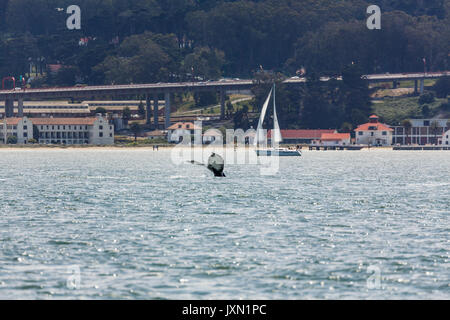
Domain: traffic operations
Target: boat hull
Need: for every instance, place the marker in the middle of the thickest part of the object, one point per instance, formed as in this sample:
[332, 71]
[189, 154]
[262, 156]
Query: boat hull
[279, 153]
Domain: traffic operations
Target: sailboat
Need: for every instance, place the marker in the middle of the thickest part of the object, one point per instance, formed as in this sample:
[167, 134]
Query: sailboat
[276, 133]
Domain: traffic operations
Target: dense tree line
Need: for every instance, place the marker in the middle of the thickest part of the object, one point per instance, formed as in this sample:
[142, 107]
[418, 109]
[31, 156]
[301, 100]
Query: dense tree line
[282, 35]
[178, 40]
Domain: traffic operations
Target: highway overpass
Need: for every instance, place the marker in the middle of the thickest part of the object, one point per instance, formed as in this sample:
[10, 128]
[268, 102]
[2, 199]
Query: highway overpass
[154, 91]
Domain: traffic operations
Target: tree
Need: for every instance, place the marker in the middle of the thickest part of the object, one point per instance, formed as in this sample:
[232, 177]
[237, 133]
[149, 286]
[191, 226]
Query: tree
[442, 87]
[355, 95]
[207, 98]
[101, 110]
[407, 125]
[346, 127]
[126, 114]
[140, 59]
[426, 98]
[67, 76]
[11, 140]
[136, 129]
[426, 110]
[141, 109]
[205, 63]
[230, 109]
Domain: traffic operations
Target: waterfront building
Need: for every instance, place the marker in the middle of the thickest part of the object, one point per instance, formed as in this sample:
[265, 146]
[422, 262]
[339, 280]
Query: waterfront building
[300, 136]
[45, 109]
[157, 135]
[179, 130]
[422, 131]
[213, 135]
[21, 128]
[333, 139]
[374, 133]
[445, 140]
[74, 131]
[66, 109]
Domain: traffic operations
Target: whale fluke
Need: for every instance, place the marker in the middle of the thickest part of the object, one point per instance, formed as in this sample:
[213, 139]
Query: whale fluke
[216, 165]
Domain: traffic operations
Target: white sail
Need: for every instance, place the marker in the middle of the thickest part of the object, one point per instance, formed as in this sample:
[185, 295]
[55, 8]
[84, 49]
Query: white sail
[259, 131]
[276, 136]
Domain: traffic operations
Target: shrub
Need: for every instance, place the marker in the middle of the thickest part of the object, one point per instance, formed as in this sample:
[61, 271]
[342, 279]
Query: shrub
[426, 110]
[442, 87]
[426, 98]
[12, 140]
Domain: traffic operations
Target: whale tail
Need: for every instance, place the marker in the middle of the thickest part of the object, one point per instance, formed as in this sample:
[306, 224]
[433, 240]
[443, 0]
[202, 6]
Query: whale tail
[216, 164]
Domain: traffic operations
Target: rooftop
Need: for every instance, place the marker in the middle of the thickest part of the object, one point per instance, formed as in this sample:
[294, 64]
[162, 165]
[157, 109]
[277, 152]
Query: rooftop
[335, 136]
[64, 121]
[302, 134]
[183, 126]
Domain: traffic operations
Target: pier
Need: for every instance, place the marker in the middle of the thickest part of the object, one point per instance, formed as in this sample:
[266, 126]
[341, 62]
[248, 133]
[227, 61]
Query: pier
[334, 148]
[421, 148]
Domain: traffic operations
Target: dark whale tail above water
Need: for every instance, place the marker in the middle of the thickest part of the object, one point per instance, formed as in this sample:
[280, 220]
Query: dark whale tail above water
[216, 165]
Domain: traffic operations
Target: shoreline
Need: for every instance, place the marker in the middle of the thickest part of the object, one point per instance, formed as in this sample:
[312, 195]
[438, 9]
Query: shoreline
[169, 147]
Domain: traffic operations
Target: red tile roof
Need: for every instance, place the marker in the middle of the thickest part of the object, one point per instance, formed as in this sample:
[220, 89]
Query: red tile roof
[302, 134]
[11, 121]
[184, 126]
[335, 136]
[375, 126]
[64, 121]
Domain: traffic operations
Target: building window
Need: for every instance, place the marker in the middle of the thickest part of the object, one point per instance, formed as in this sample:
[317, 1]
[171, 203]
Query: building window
[25, 128]
[360, 133]
[426, 123]
[100, 127]
[371, 134]
[384, 133]
[100, 134]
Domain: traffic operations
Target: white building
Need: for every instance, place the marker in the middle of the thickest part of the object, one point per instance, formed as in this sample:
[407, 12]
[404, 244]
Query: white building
[374, 133]
[21, 128]
[179, 130]
[422, 131]
[213, 135]
[70, 131]
[157, 135]
[445, 141]
[334, 139]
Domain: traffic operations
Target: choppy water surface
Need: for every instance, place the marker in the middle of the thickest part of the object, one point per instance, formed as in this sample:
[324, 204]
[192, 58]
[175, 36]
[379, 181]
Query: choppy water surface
[128, 224]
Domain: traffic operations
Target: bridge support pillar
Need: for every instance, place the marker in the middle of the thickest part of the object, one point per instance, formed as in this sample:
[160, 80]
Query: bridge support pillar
[9, 108]
[222, 104]
[168, 105]
[156, 111]
[394, 84]
[148, 112]
[20, 108]
[422, 86]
